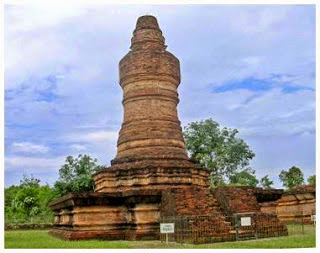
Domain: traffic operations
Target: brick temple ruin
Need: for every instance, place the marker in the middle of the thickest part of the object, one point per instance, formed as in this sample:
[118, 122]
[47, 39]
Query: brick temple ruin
[296, 205]
[151, 178]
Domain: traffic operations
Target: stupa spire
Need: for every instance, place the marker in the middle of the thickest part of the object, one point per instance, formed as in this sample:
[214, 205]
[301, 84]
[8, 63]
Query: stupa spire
[147, 34]
[149, 77]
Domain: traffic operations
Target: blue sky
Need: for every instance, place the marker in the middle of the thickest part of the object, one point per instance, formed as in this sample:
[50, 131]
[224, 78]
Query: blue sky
[247, 67]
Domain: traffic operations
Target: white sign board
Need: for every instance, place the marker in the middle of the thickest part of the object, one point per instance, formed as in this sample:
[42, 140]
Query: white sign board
[245, 221]
[166, 228]
[313, 217]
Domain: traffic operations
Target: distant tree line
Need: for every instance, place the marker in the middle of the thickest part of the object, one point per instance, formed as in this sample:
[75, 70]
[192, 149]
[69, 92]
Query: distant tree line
[29, 201]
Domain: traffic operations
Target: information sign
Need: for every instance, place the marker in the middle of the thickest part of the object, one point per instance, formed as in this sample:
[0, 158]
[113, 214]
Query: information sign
[245, 221]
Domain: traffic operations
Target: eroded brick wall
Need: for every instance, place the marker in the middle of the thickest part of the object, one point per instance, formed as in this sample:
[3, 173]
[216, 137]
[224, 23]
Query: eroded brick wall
[237, 199]
[298, 204]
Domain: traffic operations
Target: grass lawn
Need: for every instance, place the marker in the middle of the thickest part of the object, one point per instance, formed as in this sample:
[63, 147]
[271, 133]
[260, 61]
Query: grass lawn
[41, 239]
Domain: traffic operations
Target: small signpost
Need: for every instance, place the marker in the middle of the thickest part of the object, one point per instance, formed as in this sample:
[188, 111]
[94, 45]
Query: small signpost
[166, 228]
[313, 218]
[245, 221]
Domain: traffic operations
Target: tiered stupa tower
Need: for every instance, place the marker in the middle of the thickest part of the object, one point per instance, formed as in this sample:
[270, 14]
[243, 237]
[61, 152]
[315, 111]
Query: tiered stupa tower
[151, 177]
[149, 77]
[151, 150]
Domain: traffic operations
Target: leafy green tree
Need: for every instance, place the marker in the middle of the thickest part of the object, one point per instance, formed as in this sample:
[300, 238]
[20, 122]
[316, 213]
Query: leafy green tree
[216, 148]
[291, 178]
[29, 181]
[10, 204]
[245, 177]
[76, 175]
[28, 202]
[46, 194]
[266, 183]
[10, 194]
[312, 180]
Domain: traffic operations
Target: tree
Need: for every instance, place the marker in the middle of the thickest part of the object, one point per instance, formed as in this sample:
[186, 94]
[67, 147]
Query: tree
[265, 182]
[46, 194]
[218, 149]
[27, 201]
[29, 181]
[245, 177]
[291, 178]
[9, 194]
[312, 180]
[76, 175]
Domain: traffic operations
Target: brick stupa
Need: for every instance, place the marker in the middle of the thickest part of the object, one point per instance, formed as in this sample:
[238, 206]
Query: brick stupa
[151, 151]
[151, 176]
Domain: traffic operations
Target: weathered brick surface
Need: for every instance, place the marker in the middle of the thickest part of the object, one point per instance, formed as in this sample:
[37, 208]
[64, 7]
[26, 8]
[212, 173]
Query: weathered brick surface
[145, 73]
[201, 207]
[213, 213]
[269, 207]
[296, 205]
[146, 174]
[189, 201]
[243, 201]
[119, 216]
[237, 199]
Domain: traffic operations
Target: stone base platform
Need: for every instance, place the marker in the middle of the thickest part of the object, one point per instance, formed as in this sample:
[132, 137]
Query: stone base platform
[136, 214]
[134, 174]
[130, 215]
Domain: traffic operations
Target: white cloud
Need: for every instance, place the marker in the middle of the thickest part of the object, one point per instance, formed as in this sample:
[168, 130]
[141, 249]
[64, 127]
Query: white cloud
[33, 164]
[28, 18]
[28, 147]
[92, 137]
[268, 113]
[251, 60]
[78, 147]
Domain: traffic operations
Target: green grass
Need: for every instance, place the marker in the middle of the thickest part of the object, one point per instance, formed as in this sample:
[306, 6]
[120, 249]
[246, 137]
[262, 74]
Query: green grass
[41, 239]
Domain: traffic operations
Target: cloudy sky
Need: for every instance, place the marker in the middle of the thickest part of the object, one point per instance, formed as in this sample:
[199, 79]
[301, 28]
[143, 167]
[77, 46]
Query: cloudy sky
[247, 67]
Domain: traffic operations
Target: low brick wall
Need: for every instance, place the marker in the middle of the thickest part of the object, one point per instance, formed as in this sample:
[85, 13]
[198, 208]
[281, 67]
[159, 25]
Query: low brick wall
[27, 226]
[296, 205]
